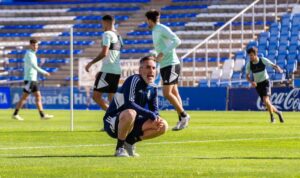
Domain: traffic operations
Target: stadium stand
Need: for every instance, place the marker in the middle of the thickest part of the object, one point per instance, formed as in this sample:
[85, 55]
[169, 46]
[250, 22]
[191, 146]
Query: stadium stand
[192, 21]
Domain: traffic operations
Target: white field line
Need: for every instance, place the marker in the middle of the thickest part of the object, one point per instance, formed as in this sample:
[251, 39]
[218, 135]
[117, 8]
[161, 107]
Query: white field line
[153, 143]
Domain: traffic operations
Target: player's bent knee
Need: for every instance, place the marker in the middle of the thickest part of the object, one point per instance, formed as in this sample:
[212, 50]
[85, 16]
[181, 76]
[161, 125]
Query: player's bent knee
[128, 114]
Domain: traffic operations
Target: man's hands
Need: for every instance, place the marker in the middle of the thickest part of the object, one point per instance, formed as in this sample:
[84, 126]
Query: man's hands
[253, 84]
[158, 122]
[47, 74]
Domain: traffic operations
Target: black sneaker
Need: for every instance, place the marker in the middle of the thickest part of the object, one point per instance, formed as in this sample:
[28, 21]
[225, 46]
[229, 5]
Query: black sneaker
[280, 117]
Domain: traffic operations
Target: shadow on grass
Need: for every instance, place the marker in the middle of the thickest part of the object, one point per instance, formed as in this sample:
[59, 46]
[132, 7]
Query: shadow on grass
[63, 156]
[249, 158]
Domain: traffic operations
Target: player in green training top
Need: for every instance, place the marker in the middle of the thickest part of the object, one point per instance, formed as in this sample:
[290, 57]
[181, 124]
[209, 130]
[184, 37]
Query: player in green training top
[261, 81]
[31, 70]
[165, 41]
[107, 79]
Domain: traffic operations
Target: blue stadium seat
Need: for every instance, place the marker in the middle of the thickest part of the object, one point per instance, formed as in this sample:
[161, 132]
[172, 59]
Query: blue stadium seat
[260, 55]
[214, 83]
[291, 66]
[103, 9]
[99, 17]
[140, 50]
[51, 69]
[273, 39]
[293, 48]
[285, 30]
[98, 26]
[203, 83]
[13, 27]
[171, 16]
[296, 19]
[225, 83]
[57, 61]
[262, 52]
[284, 39]
[278, 76]
[282, 49]
[272, 55]
[273, 46]
[138, 42]
[263, 38]
[235, 84]
[15, 78]
[9, 35]
[295, 30]
[245, 84]
[83, 34]
[275, 26]
[240, 55]
[252, 44]
[236, 76]
[294, 40]
[75, 78]
[286, 19]
[185, 7]
[270, 70]
[292, 56]
[15, 60]
[169, 24]
[139, 33]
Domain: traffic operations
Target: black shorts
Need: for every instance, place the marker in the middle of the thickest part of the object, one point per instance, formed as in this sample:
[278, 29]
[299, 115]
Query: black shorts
[170, 74]
[263, 89]
[111, 123]
[106, 82]
[30, 86]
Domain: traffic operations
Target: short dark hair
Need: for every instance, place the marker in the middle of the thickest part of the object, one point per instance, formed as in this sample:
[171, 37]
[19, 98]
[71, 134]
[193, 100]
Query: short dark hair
[33, 41]
[108, 18]
[147, 58]
[153, 15]
[252, 50]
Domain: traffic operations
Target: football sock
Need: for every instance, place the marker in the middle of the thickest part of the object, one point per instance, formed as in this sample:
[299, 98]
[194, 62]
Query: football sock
[120, 144]
[183, 114]
[42, 114]
[132, 140]
[16, 112]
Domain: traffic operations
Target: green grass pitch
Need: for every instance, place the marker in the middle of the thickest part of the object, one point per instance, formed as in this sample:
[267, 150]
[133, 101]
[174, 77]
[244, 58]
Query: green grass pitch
[216, 144]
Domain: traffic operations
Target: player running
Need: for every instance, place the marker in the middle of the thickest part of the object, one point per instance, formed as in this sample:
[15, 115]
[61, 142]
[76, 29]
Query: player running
[261, 81]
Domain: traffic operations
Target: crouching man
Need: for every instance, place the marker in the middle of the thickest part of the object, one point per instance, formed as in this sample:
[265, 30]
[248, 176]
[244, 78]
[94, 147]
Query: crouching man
[133, 114]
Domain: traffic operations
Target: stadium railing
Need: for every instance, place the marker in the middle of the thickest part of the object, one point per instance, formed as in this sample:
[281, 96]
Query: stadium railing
[202, 47]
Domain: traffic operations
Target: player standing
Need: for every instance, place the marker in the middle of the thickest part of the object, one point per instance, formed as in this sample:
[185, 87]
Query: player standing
[165, 41]
[107, 79]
